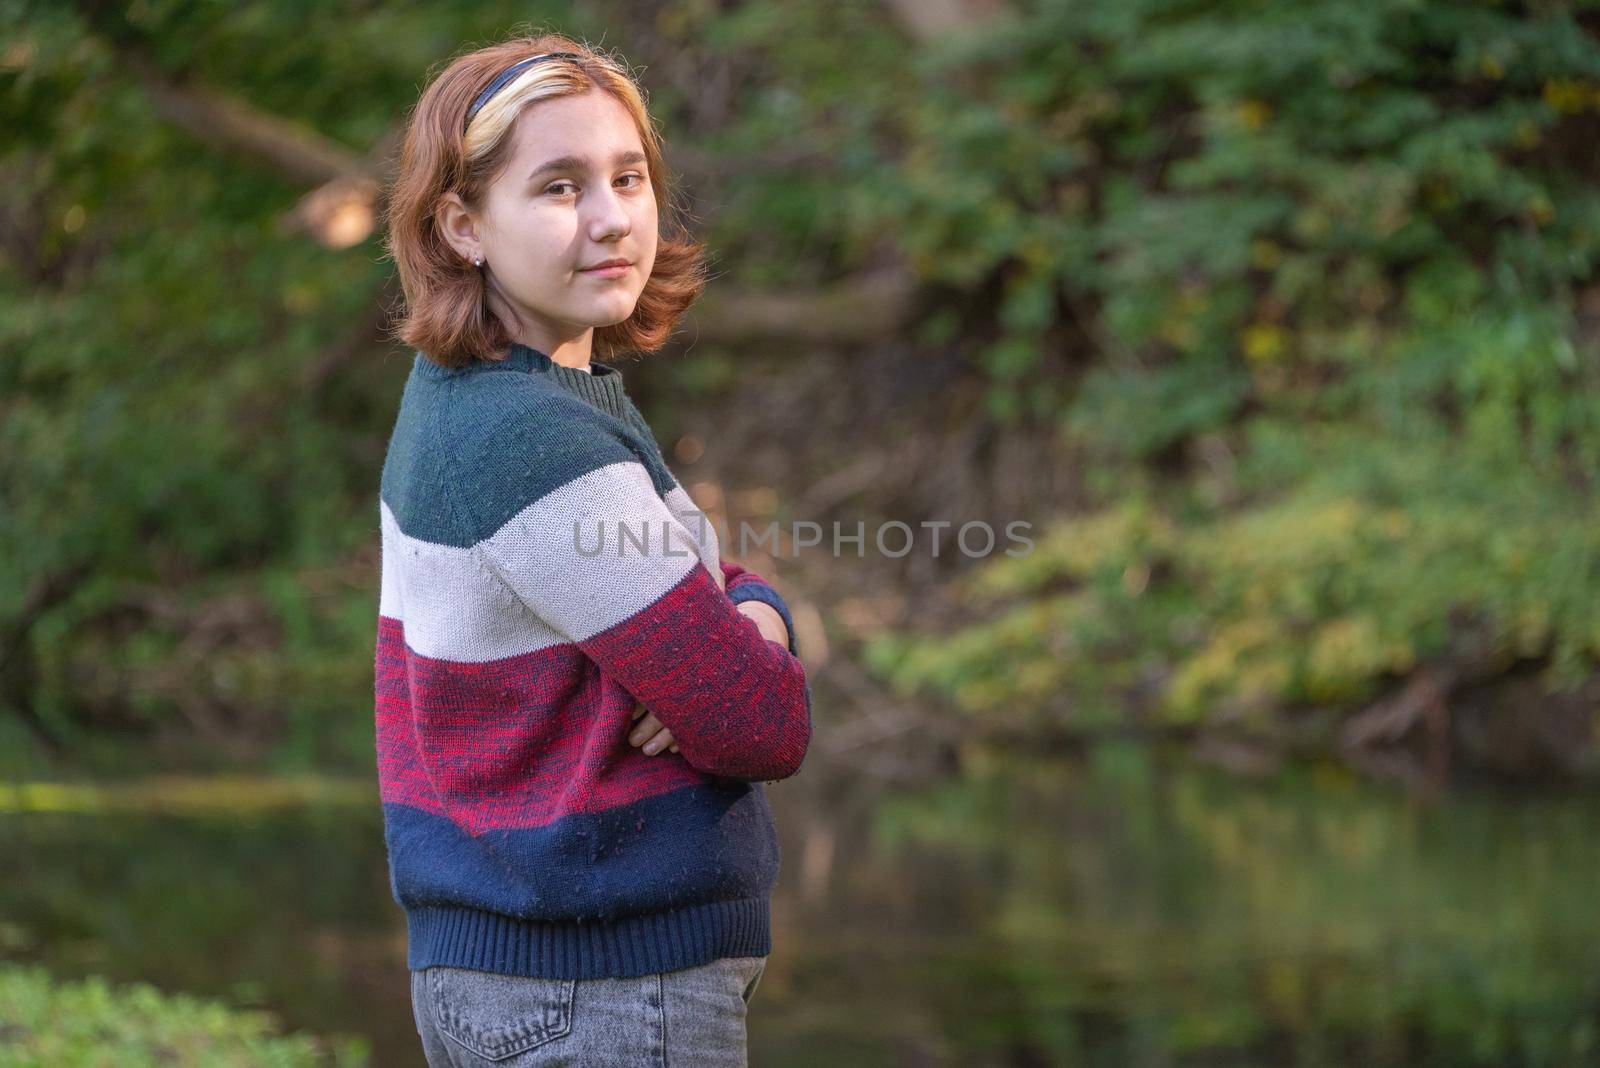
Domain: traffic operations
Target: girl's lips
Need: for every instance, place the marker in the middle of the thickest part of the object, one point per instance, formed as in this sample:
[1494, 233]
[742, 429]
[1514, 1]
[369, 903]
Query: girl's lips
[608, 272]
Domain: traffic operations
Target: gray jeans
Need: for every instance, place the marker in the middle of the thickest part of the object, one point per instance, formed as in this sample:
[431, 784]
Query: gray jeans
[693, 1016]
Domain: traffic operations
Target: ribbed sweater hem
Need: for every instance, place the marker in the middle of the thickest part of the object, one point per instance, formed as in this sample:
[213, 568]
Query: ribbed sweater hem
[460, 937]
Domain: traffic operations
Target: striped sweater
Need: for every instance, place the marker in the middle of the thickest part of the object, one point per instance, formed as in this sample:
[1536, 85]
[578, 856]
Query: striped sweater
[541, 570]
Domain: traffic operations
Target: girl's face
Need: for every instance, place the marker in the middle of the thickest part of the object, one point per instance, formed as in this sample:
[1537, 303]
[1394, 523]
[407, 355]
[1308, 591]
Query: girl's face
[575, 193]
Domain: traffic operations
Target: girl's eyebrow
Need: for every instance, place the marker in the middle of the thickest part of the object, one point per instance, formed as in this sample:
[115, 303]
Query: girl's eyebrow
[578, 163]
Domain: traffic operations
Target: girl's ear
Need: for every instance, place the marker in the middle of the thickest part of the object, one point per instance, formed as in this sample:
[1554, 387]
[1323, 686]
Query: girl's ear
[458, 227]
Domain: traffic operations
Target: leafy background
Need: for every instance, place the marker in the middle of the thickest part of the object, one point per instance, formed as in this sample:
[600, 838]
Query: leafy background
[1277, 322]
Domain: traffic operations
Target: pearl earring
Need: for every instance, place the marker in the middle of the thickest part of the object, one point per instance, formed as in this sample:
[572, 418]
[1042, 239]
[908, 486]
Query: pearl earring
[478, 262]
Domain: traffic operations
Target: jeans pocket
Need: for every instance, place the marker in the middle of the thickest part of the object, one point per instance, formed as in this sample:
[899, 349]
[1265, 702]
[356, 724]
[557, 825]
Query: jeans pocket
[496, 1016]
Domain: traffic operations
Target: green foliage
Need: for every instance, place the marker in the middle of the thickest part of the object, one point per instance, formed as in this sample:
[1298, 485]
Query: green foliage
[1338, 257]
[91, 1023]
[1228, 200]
[1363, 557]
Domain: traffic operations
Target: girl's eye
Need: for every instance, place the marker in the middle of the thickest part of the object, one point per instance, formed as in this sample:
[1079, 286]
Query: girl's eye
[555, 186]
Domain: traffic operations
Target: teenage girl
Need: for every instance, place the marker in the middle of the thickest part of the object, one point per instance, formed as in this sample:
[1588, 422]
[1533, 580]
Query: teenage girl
[571, 735]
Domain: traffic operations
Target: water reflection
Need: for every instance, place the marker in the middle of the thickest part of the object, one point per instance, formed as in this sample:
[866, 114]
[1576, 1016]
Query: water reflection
[1127, 910]
[1121, 910]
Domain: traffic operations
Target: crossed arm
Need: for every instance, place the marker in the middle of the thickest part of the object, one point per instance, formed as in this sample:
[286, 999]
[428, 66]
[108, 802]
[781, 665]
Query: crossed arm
[649, 732]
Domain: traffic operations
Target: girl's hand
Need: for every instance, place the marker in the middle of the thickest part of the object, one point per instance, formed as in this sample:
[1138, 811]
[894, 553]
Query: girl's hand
[649, 732]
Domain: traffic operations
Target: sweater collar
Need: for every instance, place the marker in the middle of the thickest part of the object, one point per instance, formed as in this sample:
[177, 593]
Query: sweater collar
[601, 385]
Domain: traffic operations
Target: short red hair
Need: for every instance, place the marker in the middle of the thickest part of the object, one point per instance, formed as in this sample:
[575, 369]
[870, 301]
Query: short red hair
[446, 316]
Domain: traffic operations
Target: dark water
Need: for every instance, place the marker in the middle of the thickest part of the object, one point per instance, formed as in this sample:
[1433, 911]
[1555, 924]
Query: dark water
[1115, 911]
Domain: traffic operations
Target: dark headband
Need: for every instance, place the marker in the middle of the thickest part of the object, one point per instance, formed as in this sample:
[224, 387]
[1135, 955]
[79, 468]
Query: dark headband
[505, 76]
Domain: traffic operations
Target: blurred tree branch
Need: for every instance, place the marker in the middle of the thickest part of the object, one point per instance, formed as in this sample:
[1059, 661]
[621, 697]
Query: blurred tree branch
[927, 20]
[298, 152]
[345, 203]
[866, 307]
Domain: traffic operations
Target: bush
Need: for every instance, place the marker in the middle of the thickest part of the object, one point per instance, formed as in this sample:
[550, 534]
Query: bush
[88, 1024]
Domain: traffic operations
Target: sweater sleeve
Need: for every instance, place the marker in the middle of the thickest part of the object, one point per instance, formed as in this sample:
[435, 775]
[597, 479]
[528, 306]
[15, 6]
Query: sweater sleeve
[744, 584]
[592, 550]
